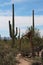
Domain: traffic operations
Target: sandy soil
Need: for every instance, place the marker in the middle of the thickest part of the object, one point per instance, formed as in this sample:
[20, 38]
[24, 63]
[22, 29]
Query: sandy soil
[22, 60]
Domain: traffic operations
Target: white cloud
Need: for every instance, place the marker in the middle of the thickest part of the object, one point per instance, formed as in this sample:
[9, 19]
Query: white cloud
[39, 9]
[27, 20]
[6, 12]
[19, 0]
[41, 32]
[16, 1]
[5, 3]
[24, 0]
[21, 22]
[4, 25]
[10, 2]
[38, 20]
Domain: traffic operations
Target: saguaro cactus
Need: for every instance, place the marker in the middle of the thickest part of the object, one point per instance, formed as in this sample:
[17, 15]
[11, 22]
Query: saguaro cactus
[12, 27]
[33, 18]
[32, 34]
[19, 41]
[19, 34]
[33, 21]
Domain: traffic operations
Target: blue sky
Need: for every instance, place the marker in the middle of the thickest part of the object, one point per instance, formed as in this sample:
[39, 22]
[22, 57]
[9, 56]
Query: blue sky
[22, 7]
[23, 14]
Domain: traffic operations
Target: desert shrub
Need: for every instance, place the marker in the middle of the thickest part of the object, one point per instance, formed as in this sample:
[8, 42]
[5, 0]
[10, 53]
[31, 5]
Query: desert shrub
[36, 63]
[25, 53]
[7, 56]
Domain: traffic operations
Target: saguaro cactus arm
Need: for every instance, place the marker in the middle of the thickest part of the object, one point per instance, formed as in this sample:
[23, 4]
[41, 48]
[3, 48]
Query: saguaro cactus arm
[19, 34]
[16, 31]
[10, 29]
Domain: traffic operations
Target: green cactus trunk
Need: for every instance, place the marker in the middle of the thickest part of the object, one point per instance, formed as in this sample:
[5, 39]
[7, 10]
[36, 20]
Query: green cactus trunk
[33, 35]
[33, 22]
[19, 41]
[12, 28]
[19, 34]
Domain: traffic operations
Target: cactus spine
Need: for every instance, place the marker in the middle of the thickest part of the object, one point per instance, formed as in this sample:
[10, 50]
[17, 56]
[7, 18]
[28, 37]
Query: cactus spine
[11, 27]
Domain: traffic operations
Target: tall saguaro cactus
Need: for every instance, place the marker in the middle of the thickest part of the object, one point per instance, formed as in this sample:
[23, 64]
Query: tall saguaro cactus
[19, 41]
[33, 17]
[32, 34]
[19, 34]
[12, 27]
[33, 20]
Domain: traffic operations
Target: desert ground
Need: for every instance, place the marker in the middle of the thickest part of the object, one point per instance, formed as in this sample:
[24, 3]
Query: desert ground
[22, 60]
